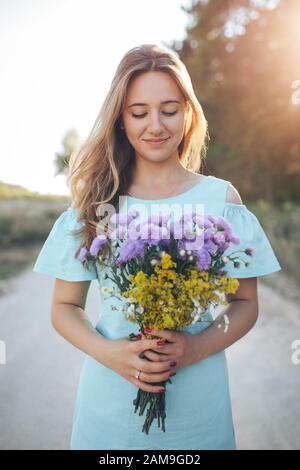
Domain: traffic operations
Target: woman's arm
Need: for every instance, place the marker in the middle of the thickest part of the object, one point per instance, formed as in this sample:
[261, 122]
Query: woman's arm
[70, 320]
[242, 312]
[121, 355]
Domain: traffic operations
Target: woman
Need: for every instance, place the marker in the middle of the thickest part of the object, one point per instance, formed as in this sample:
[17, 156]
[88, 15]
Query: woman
[146, 147]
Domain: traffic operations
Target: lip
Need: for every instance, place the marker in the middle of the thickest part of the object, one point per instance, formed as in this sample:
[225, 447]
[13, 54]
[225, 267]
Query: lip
[156, 143]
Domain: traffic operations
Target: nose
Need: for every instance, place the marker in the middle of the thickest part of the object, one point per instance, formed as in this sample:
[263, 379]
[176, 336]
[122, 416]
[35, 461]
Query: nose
[154, 124]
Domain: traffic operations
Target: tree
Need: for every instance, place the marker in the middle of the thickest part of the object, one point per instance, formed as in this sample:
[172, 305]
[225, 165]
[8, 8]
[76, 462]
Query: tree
[70, 143]
[243, 59]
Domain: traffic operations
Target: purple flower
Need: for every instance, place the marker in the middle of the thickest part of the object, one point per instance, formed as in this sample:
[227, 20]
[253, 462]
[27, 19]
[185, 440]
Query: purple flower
[221, 233]
[220, 239]
[203, 259]
[176, 229]
[212, 219]
[118, 232]
[154, 234]
[82, 254]
[149, 232]
[250, 251]
[187, 217]
[233, 239]
[210, 246]
[158, 219]
[208, 224]
[196, 243]
[130, 249]
[222, 224]
[194, 216]
[97, 243]
[123, 219]
[183, 229]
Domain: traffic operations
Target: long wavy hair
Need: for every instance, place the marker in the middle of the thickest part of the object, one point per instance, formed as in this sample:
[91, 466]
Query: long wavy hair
[101, 169]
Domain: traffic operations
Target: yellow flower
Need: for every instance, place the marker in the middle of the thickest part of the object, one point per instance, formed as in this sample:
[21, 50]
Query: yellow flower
[169, 322]
[166, 296]
[166, 261]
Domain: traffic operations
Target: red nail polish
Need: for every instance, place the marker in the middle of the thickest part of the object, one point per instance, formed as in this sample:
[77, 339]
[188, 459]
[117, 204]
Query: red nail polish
[148, 330]
[160, 343]
[162, 390]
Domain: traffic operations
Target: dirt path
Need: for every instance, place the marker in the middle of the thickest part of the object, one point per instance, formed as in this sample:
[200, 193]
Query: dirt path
[38, 382]
[265, 383]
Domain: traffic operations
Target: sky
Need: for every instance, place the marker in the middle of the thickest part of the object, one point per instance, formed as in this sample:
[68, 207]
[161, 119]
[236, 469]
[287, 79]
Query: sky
[57, 59]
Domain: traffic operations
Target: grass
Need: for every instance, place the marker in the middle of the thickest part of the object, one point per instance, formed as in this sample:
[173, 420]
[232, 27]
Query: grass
[24, 225]
[282, 224]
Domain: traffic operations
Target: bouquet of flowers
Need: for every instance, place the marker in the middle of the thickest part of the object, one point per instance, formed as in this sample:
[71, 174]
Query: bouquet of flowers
[166, 275]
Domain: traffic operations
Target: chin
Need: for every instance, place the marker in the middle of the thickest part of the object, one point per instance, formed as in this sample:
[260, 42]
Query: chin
[158, 158]
[156, 154]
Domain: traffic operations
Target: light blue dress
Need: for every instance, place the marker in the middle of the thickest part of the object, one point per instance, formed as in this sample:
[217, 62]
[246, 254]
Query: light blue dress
[198, 402]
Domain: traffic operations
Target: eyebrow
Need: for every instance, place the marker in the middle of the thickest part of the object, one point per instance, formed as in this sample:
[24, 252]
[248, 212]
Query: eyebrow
[163, 102]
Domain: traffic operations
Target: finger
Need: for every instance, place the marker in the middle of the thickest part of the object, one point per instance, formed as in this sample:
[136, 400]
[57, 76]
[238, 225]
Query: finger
[143, 344]
[152, 367]
[162, 347]
[158, 377]
[153, 356]
[146, 387]
[169, 335]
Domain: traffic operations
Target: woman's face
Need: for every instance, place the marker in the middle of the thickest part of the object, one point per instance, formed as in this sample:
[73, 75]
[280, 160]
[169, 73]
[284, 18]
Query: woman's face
[154, 109]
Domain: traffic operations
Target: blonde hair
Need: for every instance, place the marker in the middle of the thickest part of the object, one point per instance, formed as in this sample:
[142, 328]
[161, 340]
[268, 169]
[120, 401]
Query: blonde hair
[101, 170]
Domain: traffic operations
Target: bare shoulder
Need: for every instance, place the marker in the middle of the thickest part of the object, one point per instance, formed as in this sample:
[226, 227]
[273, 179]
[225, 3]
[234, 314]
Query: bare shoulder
[233, 195]
[193, 176]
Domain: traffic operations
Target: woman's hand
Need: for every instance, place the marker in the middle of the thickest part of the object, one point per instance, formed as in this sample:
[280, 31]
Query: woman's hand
[124, 357]
[180, 346]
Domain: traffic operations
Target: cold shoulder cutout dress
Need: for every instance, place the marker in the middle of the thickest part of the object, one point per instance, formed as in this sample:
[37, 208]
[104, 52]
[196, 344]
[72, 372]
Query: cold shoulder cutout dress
[198, 402]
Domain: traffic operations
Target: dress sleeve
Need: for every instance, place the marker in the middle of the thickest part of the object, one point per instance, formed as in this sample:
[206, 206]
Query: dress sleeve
[248, 229]
[57, 256]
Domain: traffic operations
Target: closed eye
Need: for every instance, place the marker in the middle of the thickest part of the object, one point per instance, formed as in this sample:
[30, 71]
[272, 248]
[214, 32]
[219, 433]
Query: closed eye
[143, 115]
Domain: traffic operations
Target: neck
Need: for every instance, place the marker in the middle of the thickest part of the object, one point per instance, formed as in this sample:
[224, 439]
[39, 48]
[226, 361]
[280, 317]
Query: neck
[146, 173]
